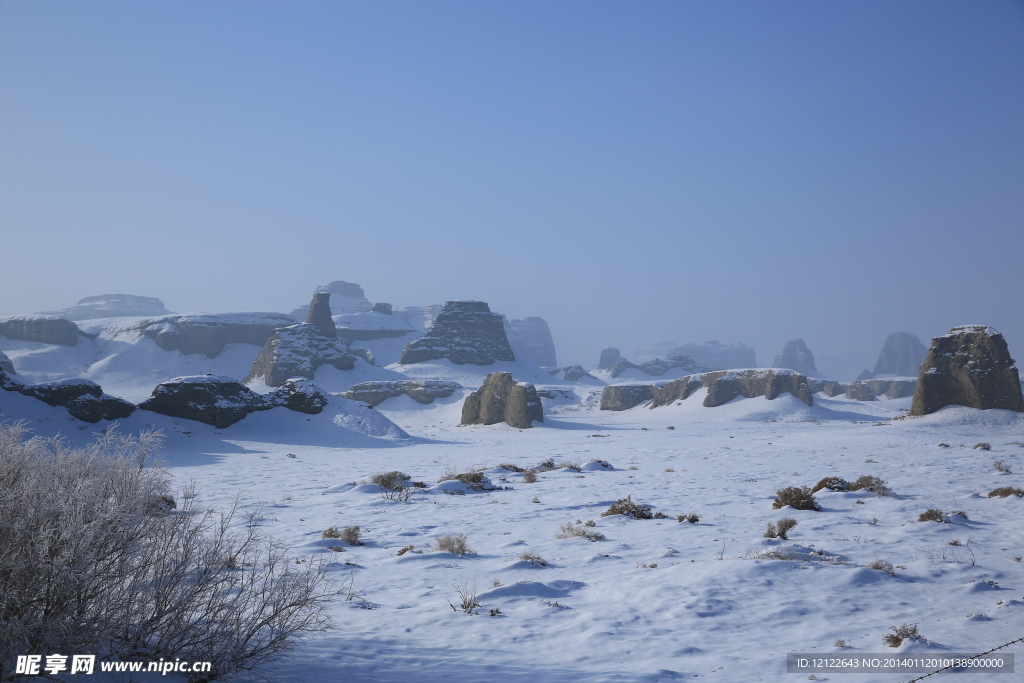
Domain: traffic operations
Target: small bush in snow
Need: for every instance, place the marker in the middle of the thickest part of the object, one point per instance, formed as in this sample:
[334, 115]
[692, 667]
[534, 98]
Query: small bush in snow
[331, 532]
[780, 529]
[511, 468]
[1005, 491]
[456, 544]
[626, 506]
[404, 550]
[529, 477]
[797, 497]
[832, 484]
[1002, 467]
[882, 566]
[931, 515]
[351, 535]
[533, 558]
[570, 530]
[393, 485]
[871, 483]
[901, 633]
[691, 517]
[467, 597]
[983, 446]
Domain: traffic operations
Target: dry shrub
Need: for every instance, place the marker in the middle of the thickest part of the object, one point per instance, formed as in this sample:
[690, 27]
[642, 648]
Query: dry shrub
[533, 558]
[331, 532]
[91, 560]
[393, 485]
[570, 530]
[626, 506]
[473, 477]
[882, 566]
[1005, 491]
[404, 550]
[511, 468]
[691, 517]
[351, 535]
[871, 483]
[931, 515]
[1002, 467]
[901, 633]
[529, 477]
[784, 526]
[983, 446]
[797, 497]
[832, 484]
[456, 544]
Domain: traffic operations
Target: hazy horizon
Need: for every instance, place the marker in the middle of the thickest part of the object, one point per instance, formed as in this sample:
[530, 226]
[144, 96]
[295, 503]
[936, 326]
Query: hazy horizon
[632, 174]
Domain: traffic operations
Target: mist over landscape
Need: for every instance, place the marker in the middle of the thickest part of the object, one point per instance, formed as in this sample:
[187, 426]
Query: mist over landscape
[447, 341]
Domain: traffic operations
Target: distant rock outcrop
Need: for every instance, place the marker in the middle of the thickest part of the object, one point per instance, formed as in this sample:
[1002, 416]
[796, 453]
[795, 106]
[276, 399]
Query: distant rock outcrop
[205, 334]
[114, 306]
[970, 366]
[297, 351]
[46, 329]
[382, 308]
[626, 396]
[530, 339]
[833, 389]
[6, 366]
[715, 355]
[464, 332]
[676, 390]
[892, 388]
[573, 373]
[320, 315]
[796, 356]
[656, 367]
[609, 357]
[82, 398]
[420, 390]
[346, 297]
[901, 354]
[860, 391]
[724, 386]
[866, 375]
[501, 399]
[221, 401]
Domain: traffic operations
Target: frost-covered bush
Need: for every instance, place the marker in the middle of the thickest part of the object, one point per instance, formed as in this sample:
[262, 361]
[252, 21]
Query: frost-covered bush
[901, 633]
[626, 506]
[352, 535]
[94, 558]
[456, 544]
[882, 566]
[832, 484]
[797, 497]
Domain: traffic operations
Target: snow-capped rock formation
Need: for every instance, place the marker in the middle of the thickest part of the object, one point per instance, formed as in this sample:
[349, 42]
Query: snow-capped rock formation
[573, 373]
[6, 366]
[371, 325]
[297, 351]
[656, 367]
[970, 366]
[114, 306]
[715, 355]
[464, 332]
[860, 391]
[204, 334]
[796, 356]
[221, 401]
[82, 398]
[625, 396]
[422, 391]
[609, 357]
[530, 339]
[501, 399]
[346, 297]
[320, 315]
[46, 329]
[901, 355]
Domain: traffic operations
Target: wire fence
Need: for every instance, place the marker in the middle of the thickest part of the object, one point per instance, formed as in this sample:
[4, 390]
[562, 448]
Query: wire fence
[953, 666]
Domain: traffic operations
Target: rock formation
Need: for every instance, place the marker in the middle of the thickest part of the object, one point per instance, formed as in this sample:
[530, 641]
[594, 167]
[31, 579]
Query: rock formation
[723, 386]
[6, 366]
[501, 399]
[346, 297]
[320, 315]
[46, 329]
[221, 401]
[373, 325]
[833, 389]
[865, 375]
[82, 398]
[970, 366]
[464, 332]
[860, 391]
[676, 390]
[625, 396]
[796, 356]
[609, 357]
[715, 355]
[114, 306]
[901, 355]
[530, 339]
[573, 373]
[205, 334]
[420, 390]
[656, 367]
[297, 351]
[892, 388]
[382, 308]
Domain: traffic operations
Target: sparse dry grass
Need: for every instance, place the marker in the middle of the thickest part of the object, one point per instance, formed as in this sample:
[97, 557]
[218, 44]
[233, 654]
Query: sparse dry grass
[456, 544]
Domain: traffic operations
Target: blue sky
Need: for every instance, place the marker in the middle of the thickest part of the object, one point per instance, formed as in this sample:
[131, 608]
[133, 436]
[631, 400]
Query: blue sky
[632, 172]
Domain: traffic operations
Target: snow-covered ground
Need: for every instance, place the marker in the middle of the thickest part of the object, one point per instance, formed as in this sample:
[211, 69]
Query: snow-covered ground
[658, 600]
